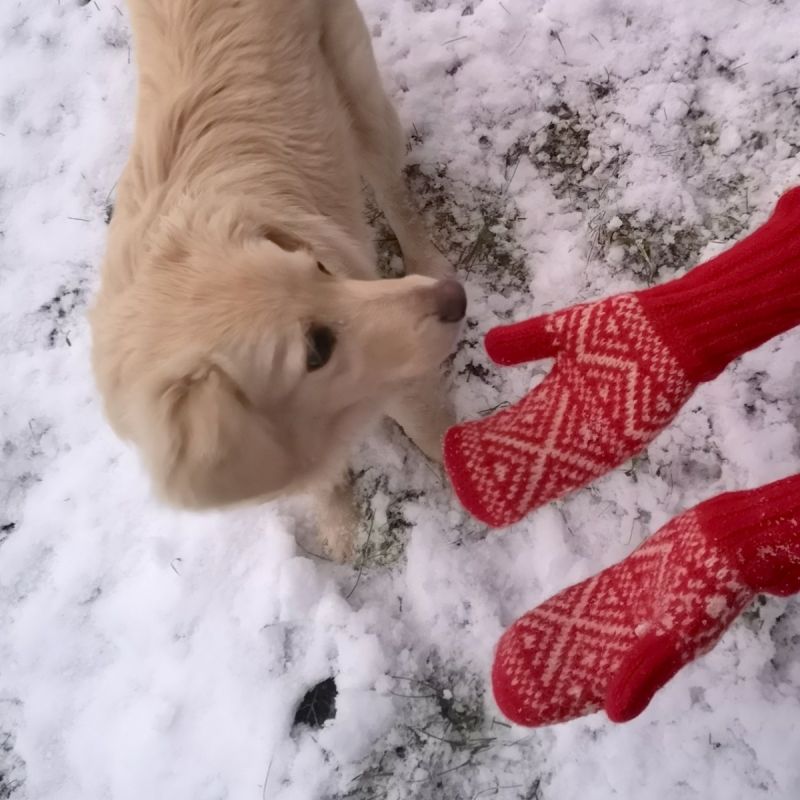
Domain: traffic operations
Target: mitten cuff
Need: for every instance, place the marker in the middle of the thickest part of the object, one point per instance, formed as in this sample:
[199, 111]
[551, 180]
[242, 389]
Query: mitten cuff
[735, 302]
[760, 530]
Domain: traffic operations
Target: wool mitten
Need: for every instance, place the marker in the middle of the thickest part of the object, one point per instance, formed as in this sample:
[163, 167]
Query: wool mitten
[615, 639]
[624, 366]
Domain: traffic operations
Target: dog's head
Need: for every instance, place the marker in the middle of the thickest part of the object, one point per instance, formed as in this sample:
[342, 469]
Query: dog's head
[241, 365]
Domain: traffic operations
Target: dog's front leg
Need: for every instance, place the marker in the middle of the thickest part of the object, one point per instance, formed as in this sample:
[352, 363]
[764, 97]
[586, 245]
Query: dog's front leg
[424, 411]
[337, 518]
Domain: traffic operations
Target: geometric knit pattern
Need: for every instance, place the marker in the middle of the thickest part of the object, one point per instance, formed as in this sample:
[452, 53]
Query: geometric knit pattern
[624, 366]
[616, 638]
[555, 663]
[615, 385]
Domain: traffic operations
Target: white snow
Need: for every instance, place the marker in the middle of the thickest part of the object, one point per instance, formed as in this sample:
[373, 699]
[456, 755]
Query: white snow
[587, 148]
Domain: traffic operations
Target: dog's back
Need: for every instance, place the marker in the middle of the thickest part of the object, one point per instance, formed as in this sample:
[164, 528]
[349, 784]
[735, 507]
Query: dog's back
[234, 97]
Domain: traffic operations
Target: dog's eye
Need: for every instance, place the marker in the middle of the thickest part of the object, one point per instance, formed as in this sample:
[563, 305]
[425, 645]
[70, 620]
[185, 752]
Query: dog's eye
[322, 268]
[321, 341]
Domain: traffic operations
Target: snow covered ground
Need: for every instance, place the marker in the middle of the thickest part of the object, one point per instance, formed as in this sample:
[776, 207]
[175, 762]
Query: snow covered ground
[564, 150]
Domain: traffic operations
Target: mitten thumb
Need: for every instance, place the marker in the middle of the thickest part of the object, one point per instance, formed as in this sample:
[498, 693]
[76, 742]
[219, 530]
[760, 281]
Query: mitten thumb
[650, 664]
[788, 206]
[522, 341]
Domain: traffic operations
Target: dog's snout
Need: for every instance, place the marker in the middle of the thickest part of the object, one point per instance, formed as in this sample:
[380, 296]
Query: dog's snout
[451, 301]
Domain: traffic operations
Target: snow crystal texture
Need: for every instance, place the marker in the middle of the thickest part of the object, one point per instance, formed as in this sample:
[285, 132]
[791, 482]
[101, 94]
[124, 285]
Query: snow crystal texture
[562, 150]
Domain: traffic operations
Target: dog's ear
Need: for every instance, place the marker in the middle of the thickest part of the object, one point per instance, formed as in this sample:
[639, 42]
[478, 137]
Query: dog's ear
[212, 447]
[285, 240]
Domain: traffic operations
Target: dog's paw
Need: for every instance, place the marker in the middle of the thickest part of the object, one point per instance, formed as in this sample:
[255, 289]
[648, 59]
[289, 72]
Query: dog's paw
[432, 425]
[430, 440]
[338, 521]
[341, 549]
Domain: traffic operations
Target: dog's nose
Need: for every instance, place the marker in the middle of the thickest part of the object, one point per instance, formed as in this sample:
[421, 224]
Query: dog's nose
[451, 301]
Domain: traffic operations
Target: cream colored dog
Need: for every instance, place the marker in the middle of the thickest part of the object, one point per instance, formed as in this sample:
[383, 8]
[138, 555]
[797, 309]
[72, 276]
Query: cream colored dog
[240, 338]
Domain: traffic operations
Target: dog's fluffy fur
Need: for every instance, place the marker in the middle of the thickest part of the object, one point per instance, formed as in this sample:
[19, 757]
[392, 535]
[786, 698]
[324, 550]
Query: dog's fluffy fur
[255, 123]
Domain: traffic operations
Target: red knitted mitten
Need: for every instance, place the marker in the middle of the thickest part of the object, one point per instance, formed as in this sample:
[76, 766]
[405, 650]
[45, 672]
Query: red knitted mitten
[624, 367]
[615, 639]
